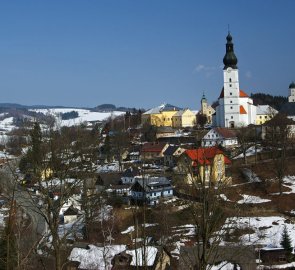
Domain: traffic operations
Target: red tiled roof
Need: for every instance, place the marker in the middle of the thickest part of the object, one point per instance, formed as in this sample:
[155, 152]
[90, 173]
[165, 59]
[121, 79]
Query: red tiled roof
[242, 110]
[153, 147]
[242, 93]
[203, 155]
[225, 132]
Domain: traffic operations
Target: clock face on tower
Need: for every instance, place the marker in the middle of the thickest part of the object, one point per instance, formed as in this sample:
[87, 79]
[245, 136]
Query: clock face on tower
[229, 69]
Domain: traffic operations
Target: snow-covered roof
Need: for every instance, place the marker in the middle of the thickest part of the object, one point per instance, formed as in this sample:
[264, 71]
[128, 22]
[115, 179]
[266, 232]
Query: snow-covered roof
[98, 258]
[265, 109]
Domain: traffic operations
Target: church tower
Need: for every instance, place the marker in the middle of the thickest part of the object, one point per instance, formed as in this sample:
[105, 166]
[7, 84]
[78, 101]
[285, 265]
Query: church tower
[291, 97]
[235, 108]
[229, 114]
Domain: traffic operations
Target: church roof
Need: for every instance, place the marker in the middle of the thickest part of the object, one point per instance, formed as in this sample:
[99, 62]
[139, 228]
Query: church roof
[242, 93]
[292, 85]
[242, 110]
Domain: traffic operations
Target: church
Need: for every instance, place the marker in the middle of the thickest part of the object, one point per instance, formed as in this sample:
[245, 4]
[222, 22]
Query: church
[235, 108]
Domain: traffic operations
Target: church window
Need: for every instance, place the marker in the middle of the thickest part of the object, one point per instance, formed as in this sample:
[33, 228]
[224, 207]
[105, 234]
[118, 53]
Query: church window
[229, 79]
[230, 85]
[231, 107]
[232, 117]
[231, 101]
[230, 93]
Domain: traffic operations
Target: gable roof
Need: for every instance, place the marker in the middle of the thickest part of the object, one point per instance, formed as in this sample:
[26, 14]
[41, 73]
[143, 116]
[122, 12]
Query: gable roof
[152, 184]
[225, 132]
[170, 150]
[162, 108]
[204, 155]
[153, 147]
[265, 109]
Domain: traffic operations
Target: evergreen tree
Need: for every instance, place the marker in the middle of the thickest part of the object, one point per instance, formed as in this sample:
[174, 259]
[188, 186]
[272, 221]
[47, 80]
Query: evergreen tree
[286, 241]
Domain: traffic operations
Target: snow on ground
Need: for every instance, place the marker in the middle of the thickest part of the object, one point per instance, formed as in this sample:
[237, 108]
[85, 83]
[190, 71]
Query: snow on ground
[185, 230]
[84, 115]
[138, 255]
[252, 199]
[223, 197]
[250, 152]
[110, 167]
[224, 266]
[289, 182]
[7, 124]
[98, 258]
[128, 230]
[267, 230]
[278, 266]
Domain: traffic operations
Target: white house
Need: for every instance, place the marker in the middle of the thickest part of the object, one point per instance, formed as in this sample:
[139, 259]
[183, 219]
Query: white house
[220, 136]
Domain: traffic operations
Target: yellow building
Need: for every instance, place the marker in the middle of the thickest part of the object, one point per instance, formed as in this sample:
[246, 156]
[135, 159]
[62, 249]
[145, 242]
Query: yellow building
[264, 113]
[160, 116]
[207, 109]
[184, 118]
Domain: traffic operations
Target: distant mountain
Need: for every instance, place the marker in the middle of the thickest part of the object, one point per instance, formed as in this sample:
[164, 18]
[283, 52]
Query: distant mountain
[112, 107]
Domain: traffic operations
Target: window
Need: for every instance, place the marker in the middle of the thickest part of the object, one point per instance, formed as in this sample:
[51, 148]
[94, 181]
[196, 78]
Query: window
[260, 116]
[230, 85]
[231, 117]
[231, 93]
[229, 79]
[231, 101]
[231, 107]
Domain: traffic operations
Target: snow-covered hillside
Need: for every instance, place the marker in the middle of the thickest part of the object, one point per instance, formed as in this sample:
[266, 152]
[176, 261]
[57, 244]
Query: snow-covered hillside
[84, 115]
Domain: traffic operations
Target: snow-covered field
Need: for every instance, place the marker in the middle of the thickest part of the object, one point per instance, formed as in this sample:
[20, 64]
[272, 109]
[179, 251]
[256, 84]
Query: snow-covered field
[267, 231]
[84, 115]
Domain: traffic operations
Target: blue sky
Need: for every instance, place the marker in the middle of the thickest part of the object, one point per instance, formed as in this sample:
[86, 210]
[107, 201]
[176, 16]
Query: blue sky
[141, 53]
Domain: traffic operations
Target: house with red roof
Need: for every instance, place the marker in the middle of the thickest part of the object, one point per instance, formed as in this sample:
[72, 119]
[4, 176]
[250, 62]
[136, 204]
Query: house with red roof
[235, 108]
[224, 137]
[205, 164]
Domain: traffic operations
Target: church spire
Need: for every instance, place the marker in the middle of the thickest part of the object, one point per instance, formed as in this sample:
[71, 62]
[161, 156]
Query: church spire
[230, 59]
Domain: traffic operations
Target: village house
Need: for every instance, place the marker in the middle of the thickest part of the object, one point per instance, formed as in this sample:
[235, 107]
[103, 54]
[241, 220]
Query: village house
[220, 136]
[184, 118]
[206, 163]
[130, 175]
[151, 190]
[153, 150]
[171, 154]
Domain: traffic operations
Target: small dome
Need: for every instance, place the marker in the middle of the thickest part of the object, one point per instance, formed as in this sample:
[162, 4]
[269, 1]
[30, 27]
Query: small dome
[230, 60]
[292, 85]
[229, 37]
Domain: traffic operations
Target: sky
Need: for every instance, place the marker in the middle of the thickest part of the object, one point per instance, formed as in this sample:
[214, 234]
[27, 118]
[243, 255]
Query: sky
[141, 53]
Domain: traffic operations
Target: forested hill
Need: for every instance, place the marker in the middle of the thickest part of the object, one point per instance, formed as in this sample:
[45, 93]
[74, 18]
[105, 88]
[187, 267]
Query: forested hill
[265, 99]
